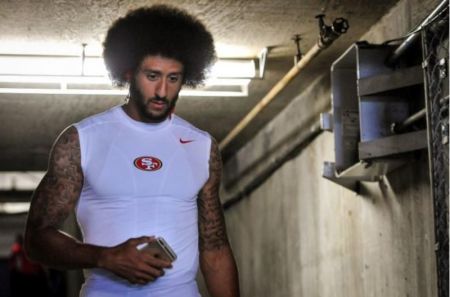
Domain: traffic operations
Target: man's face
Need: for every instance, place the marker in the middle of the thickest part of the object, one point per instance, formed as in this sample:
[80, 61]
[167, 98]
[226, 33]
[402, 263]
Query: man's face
[155, 87]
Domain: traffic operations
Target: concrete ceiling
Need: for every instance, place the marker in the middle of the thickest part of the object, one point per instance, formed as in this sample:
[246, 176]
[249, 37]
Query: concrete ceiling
[30, 123]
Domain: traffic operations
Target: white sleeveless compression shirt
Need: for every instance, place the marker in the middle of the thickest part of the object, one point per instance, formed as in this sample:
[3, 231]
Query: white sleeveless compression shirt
[142, 179]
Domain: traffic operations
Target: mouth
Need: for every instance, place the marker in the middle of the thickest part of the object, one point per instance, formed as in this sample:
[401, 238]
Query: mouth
[158, 104]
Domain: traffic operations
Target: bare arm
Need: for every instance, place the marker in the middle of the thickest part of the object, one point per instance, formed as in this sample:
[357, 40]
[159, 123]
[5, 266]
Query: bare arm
[53, 200]
[216, 258]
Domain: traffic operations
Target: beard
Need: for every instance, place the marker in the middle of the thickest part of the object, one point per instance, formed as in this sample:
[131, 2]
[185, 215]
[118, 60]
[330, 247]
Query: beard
[142, 105]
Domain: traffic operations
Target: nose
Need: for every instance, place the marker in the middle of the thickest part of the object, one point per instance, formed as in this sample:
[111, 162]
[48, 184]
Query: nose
[161, 88]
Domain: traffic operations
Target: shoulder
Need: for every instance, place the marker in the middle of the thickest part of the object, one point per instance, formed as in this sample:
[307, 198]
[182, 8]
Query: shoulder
[66, 148]
[185, 128]
[104, 117]
[66, 139]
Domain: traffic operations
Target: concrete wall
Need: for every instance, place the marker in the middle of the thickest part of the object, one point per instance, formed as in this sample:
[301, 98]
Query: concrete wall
[301, 235]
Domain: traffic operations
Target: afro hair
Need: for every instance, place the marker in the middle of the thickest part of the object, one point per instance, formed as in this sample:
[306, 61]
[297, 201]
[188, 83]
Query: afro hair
[158, 30]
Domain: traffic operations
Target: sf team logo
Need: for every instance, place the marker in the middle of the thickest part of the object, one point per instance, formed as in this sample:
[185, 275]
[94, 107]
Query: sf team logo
[148, 163]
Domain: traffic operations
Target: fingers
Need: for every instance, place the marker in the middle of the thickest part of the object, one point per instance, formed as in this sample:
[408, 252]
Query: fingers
[140, 240]
[145, 273]
[156, 259]
[134, 265]
[139, 272]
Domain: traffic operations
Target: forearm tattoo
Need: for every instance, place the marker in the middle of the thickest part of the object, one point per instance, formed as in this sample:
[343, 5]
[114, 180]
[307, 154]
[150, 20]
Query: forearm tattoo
[212, 229]
[60, 188]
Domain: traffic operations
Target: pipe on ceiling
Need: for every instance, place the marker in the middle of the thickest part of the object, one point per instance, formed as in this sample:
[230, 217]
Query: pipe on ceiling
[327, 36]
[266, 100]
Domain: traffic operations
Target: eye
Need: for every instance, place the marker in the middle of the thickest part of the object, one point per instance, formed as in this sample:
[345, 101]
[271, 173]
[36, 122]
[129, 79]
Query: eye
[152, 76]
[174, 78]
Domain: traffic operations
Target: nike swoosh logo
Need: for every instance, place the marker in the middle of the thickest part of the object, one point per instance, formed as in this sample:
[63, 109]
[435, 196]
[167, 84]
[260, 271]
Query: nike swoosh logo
[185, 141]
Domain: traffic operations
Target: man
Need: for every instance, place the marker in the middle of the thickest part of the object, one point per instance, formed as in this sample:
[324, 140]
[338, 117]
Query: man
[138, 171]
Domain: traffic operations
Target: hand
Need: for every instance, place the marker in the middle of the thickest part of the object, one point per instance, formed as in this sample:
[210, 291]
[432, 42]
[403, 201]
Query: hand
[126, 261]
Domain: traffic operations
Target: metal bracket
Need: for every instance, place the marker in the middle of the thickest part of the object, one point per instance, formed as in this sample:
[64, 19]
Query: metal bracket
[262, 61]
[326, 121]
[296, 38]
[329, 172]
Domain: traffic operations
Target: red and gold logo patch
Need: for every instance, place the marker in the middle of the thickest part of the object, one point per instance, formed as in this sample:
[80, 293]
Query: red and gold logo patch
[148, 163]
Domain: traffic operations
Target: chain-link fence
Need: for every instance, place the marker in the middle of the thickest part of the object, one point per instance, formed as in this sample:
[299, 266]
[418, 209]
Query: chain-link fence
[435, 49]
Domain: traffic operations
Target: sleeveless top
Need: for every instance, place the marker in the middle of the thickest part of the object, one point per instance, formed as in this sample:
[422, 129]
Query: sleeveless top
[142, 179]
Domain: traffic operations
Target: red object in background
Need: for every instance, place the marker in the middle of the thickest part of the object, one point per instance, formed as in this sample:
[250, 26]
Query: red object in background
[20, 263]
[26, 278]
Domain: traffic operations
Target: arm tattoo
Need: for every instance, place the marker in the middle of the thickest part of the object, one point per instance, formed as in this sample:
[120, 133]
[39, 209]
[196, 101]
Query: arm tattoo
[59, 190]
[212, 229]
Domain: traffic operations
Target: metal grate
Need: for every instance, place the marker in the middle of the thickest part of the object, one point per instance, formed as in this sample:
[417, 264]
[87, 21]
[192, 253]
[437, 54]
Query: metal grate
[435, 50]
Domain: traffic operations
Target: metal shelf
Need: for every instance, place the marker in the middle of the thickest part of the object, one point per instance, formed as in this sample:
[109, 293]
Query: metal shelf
[371, 104]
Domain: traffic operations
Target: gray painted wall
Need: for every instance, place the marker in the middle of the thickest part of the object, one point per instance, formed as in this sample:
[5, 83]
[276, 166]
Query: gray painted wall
[301, 235]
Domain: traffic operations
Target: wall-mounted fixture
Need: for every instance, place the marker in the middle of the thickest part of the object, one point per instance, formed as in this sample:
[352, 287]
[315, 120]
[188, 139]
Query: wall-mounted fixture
[369, 100]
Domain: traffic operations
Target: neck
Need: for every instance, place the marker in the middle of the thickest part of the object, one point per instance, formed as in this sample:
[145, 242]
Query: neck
[134, 112]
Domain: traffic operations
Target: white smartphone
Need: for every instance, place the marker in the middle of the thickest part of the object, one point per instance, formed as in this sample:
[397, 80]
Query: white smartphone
[162, 247]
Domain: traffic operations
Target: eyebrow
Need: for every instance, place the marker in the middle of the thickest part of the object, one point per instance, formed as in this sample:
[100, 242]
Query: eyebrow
[159, 72]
